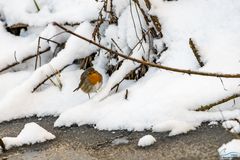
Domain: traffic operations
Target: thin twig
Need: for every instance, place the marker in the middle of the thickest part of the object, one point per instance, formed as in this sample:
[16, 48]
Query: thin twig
[139, 19]
[134, 24]
[126, 94]
[49, 39]
[115, 43]
[209, 106]
[57, 35]
[222, 84]
[118, 84]
[38, 47]
[143, 12]
[24, 60]
[36, 5]
[139, 42]
[57, 76]
[209, 74]
[15, 56]
[48, 77]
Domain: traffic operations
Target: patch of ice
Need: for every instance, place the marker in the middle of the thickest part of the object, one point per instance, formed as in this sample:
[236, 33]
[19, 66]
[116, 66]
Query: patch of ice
[230, 150]
[119, 141]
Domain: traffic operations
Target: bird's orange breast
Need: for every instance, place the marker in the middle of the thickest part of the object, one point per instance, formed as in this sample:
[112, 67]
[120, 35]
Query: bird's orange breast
[95, 78]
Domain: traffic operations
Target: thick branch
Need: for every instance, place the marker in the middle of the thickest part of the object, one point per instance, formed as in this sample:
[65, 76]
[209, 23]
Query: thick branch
[24, 60]
[149, 63]
[209, 106]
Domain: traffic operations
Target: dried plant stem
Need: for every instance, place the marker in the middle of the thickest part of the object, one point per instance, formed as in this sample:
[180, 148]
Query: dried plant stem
[24, 60]
[38, 48]
[38, 55]
[157, 25]
[118, 84]
[226, 99]
[36, 5]
[126, 94]
[48, 77]
[196, 52]
[153, 18]
[209, 74]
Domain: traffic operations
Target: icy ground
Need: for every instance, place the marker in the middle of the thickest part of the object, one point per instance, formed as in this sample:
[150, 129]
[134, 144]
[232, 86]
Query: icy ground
[161, 100]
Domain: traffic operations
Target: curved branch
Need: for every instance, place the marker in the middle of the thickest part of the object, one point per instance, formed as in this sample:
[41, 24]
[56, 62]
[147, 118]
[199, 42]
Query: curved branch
[150, 63]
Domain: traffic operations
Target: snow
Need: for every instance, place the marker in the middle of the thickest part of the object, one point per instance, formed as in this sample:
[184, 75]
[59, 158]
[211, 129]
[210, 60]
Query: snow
[31, 133]
[212, 123]
[146, 140]
[232, 125]
[71, 11]
[230, 150]
[161, 101]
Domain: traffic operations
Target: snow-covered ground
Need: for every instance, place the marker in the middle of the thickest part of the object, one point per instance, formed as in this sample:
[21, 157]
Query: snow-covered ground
[161, 100]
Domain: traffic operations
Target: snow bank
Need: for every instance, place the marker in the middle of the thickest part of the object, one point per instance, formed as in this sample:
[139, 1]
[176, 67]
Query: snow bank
[164, 101]
[161, 100]
[146, 141]
[32, 133]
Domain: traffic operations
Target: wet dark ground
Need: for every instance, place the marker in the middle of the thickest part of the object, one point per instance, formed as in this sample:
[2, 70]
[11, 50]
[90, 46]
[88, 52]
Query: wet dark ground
[87, 143]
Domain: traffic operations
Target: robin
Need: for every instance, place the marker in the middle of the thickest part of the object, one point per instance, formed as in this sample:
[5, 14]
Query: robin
[91, 81]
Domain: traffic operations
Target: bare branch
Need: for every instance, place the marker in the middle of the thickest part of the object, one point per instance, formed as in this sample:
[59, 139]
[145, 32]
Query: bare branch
[224, 100]
[209, 74]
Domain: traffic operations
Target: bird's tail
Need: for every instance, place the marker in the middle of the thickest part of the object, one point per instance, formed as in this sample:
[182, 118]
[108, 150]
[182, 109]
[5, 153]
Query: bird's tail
[77, 88]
